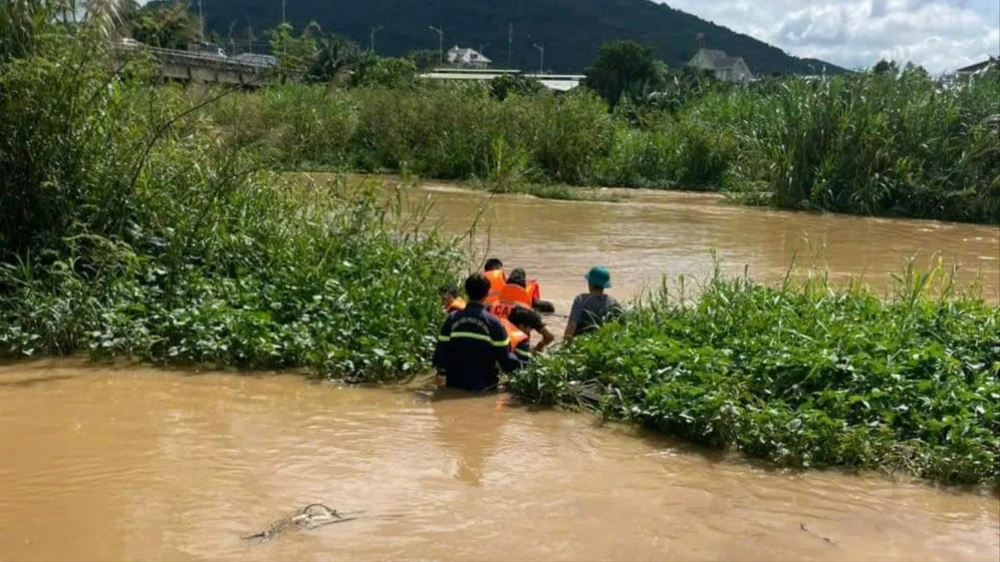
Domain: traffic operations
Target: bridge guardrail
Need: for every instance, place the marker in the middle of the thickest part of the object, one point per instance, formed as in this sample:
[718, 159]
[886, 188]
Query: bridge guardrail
[192, 56]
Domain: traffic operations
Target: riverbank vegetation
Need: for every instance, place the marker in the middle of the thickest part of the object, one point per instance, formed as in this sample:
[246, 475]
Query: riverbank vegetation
[804, 375]
[132, 228]
[893, 143]
[153, 222]
[886, 142]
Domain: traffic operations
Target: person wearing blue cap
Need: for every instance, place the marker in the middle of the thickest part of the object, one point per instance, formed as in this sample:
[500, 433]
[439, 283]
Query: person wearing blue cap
[591, 309]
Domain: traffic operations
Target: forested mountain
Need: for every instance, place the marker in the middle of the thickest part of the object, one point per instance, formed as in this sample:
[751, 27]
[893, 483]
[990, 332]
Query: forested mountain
[571, 31]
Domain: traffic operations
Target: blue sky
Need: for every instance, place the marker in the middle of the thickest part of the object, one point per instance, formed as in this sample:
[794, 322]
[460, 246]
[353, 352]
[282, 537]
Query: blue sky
[937, 34]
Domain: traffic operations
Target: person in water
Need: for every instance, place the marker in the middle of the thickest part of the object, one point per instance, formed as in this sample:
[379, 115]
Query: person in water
[530, 317]
[519, 278]
[591, 309]
[493, 264]
[522, 322]
[450, 299]
[473, 346]
[493, 271]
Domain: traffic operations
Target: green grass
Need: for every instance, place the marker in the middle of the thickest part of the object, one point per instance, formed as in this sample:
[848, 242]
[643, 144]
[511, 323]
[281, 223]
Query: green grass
[133, 226]
[803, 375]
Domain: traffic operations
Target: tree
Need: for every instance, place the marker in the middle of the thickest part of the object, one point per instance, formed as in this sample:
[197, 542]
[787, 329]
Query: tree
[296, 55]
[335, 55]
[624, 67]
[424, 59]
[683, 86]
[886, 67]
[384, 72]
[913, 71]
[167, 25]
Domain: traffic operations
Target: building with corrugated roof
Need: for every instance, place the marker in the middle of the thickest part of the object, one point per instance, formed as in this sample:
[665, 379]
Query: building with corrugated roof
[467, 58]
[724, 67]
[979, 67]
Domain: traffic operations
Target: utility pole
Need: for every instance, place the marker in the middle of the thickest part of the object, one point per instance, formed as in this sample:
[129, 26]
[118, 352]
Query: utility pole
[371, 44]
[201, 19]
[283, 19]
[440, 44]
[510, 46]
[249, 37]
[541, 58]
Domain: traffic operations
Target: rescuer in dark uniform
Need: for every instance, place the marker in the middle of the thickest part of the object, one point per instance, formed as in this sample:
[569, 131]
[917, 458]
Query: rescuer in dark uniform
[473, 346]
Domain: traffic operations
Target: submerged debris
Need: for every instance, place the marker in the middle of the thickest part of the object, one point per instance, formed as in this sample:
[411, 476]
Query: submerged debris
[310, 517]
[804, 528]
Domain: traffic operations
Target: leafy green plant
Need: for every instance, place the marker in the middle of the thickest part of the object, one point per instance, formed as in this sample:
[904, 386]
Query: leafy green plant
[134, 227]
[803, 375]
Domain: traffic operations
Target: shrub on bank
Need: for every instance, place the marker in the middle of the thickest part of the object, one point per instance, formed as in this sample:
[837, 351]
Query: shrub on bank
[132, 226]
[802, 375]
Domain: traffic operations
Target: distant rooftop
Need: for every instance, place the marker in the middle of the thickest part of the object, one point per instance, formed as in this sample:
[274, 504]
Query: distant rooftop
[717, 59]
[459, 55]
[979, 66]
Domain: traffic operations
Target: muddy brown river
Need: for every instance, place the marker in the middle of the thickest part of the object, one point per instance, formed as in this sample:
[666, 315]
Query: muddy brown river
[131, 463]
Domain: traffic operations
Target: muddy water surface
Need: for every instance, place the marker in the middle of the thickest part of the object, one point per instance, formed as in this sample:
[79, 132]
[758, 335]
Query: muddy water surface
[126, 464]
[650, 235]
[136, 464]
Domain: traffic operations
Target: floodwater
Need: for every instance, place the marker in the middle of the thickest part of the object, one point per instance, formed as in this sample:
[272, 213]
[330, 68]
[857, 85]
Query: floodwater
[131, 463]
[134, 464]
[654, 235]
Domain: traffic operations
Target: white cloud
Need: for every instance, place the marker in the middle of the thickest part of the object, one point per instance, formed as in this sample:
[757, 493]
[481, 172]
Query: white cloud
[937, 34]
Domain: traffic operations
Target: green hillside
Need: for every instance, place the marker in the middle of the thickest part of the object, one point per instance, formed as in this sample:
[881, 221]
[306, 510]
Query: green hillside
[571, 31]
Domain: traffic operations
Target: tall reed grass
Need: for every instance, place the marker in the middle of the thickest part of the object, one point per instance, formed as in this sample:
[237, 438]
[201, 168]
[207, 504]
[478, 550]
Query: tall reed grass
[865, 144]
[871, 144]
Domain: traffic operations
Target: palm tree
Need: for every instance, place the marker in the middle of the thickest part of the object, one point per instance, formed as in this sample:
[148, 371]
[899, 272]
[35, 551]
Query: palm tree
[335, 55]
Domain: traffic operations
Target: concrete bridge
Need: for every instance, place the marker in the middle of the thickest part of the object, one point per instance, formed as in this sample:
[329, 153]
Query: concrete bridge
[190, 66]
[554, 82]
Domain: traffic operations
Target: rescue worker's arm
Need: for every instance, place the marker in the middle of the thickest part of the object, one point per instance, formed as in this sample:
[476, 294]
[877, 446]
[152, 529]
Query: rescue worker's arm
[522, 353]
[547, 338]
[538, 325]
[574, 319]
[501, 348]
[440, 359]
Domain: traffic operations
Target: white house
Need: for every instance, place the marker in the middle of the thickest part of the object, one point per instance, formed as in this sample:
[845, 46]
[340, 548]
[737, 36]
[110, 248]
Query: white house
[725, 68]
[467, 58]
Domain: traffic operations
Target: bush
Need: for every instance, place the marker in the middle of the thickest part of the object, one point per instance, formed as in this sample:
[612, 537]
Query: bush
[506, 85]
[131, 228]
[385, 72]
[802, 375]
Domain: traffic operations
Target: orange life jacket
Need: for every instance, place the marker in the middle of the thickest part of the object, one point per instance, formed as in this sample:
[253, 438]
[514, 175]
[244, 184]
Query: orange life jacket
[534, 290]
[456, 305]
[516, 336]
[497, 281]
[511, 297]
